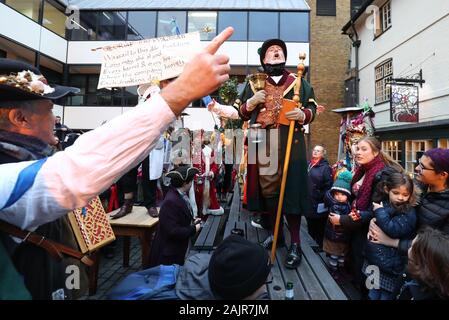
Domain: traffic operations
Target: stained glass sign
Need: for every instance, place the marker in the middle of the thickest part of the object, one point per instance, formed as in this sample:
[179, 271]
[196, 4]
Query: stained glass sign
[404, 105]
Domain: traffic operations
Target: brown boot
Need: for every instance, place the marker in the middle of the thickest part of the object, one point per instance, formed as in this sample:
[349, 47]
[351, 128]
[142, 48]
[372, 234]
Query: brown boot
[152, 211]
[126, 208]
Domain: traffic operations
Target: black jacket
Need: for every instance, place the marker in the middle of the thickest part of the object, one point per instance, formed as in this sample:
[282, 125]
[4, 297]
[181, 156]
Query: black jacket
[395, 225]
[432, 211]
[174, 231]
[320, 181]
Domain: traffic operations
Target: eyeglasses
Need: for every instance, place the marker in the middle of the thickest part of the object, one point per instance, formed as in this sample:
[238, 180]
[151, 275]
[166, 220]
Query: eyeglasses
[421, 167]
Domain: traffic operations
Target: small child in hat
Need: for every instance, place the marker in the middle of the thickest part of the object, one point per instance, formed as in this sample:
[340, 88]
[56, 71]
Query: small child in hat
[336, 240]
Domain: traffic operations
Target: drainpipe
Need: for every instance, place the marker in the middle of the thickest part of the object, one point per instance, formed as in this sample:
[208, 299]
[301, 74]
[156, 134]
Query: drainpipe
[356, 44]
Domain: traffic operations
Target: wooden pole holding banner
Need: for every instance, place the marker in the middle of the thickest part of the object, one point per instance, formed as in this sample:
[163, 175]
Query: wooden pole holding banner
[296, 103]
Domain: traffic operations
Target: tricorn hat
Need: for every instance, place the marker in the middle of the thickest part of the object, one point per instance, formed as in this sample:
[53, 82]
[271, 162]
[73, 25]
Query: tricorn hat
[22, 81]
[181, 174]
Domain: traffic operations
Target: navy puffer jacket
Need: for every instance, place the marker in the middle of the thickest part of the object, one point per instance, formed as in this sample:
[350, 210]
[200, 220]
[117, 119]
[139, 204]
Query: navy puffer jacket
[396, 225]
[336, 233]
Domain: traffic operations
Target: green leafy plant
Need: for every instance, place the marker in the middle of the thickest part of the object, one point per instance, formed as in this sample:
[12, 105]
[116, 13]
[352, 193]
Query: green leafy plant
[228, 91]
[228, 94]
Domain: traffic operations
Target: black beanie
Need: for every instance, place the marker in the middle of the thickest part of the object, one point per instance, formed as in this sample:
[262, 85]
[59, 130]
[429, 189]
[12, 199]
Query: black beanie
[238, 268]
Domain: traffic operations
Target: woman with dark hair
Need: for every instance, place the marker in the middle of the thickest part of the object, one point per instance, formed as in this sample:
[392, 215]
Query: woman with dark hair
[370, 160]
[428, 266]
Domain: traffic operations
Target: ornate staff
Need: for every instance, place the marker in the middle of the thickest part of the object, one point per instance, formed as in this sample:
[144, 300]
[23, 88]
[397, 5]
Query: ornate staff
[288, 105]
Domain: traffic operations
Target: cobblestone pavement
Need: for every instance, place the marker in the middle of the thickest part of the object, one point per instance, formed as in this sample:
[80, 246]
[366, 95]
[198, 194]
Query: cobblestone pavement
[111, 270]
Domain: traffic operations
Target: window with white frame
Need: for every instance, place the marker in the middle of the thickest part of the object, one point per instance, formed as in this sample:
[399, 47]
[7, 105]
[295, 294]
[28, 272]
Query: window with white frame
[382, 19]
[393, 149]
[383, 75]
[413, 151]
[385, 16]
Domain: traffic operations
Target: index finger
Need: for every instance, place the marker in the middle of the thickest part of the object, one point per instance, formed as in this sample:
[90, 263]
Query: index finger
[216, 42]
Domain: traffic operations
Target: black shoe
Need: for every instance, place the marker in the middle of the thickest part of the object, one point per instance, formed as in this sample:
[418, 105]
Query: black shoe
[125, 209]
[294, 256]
[152, 211]
[268, 242]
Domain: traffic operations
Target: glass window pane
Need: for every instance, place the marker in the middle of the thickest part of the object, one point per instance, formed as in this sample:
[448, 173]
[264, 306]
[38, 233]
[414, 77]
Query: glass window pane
[170, 22]
[141, 25]
[92, 83]
[294, 26]
[29, 8]
[54, 19]
[326, 7]
[131, 97]
[12, 50]
[236, 19]
[205, 22]
[51, 69]
[263, 26]
[85, 29]
[78, 81]
[111, 25]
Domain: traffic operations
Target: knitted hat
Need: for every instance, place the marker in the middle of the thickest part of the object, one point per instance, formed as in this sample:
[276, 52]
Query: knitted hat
[181, 174]
[238, 268]
[440, 158]
[343, 183]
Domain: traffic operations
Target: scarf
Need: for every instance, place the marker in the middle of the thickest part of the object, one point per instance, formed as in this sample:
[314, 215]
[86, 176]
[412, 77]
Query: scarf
[313, 162]
[274, 69]
[23, 147]
[370, 169]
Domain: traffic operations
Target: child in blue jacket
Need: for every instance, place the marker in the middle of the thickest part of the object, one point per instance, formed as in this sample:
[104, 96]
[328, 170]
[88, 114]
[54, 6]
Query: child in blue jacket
[336, 240]
[397, 218]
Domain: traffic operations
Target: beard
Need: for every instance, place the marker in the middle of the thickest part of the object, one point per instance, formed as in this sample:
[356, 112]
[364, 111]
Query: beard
[274, 69]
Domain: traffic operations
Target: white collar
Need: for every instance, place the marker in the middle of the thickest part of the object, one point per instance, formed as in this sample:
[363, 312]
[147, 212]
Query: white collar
[276, 78]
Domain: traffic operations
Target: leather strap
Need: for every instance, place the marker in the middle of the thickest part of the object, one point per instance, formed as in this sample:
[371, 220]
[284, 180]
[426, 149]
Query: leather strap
[56, 250]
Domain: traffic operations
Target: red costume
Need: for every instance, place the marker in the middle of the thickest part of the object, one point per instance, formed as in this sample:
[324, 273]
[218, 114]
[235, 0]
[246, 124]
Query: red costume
[205, 191]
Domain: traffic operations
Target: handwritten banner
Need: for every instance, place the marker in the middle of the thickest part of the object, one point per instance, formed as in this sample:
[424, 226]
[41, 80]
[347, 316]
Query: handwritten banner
[138, 62]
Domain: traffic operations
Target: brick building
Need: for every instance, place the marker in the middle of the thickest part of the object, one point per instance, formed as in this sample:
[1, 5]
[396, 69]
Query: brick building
[329, 51]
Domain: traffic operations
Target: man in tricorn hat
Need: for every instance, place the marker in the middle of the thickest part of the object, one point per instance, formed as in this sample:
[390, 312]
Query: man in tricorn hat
[262, 108]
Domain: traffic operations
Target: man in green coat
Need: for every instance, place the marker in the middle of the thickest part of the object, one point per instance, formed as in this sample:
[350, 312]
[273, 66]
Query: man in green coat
[262, 108]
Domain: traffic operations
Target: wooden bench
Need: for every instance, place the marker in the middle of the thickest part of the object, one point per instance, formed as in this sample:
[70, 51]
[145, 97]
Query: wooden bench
[210, 233]
[311, 280]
